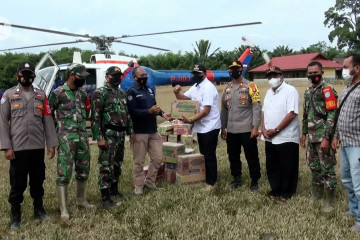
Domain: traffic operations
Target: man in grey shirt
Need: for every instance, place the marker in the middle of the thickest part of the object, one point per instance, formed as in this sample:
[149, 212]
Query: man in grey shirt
[240, 119]
[348, 132]
[26, 124]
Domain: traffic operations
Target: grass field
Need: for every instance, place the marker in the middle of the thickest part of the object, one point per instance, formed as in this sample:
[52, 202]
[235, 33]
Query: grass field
[184, 213]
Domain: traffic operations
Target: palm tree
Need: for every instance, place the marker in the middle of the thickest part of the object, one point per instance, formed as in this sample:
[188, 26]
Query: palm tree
[202, 50]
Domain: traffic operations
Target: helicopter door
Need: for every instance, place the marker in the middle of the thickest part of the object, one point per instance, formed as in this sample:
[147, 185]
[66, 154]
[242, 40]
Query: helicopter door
[46, 71]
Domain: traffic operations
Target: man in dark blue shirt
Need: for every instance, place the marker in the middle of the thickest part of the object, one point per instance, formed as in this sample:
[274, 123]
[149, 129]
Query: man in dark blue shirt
[143, 111]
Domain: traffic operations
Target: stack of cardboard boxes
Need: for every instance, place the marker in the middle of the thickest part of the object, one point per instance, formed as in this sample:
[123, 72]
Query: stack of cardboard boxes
[182, 165]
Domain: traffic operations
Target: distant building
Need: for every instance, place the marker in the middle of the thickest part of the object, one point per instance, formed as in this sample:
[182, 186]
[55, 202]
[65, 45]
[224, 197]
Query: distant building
[294, 66]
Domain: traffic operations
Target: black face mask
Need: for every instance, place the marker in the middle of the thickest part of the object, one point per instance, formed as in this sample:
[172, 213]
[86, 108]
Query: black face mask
[235, 74]
[79, 82]
[315, 78]
[142, 81]
[198, 79]
[26, 79]
[115, 81]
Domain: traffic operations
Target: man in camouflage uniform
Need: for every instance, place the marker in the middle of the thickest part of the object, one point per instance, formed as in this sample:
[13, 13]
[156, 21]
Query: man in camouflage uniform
[71, 107]
[320, 104]
[110, 122]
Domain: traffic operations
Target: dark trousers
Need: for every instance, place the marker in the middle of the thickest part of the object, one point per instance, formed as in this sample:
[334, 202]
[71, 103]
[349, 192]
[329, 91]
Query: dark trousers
[207, 146]
[234, 142]
[282, 167]
[27, 162]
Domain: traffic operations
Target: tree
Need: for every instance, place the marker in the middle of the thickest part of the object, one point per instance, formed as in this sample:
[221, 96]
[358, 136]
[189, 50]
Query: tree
[327, 51]
[282, 51]
[345, 18]
[202, 50]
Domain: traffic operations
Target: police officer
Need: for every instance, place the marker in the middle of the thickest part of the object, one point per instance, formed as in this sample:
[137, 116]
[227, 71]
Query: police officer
[143, 110]
[26, 124]
[320, 104]
[110, 122]
[240, 120]
[71, 107]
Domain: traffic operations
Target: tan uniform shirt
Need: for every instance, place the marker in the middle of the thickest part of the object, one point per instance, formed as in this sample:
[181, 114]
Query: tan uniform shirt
[240, 107]
[26, 124]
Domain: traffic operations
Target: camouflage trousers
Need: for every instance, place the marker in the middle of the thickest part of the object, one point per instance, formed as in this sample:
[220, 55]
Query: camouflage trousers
[111, 158]
[322, 165]
[73, 150]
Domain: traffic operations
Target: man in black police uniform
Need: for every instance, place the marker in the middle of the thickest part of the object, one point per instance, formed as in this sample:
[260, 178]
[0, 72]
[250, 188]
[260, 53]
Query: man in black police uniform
[26, 123]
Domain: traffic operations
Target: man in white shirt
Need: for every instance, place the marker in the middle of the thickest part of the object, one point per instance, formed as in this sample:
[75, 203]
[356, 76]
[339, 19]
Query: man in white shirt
[281, 131]
[207, 122]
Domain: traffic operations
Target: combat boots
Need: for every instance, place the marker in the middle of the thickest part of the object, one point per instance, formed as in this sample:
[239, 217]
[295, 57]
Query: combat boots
[114, 191]
[15, 217]
[318, 191]
[106, 200]
[39, 211]
[80, 189]
[330, 197]
[63, 194]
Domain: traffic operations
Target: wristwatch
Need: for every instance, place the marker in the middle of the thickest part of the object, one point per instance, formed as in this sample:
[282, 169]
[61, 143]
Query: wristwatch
[327, 137]
[277, 130]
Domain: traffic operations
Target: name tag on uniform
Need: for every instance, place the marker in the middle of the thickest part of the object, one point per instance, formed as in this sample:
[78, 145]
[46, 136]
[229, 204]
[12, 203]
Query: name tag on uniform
[140, 95]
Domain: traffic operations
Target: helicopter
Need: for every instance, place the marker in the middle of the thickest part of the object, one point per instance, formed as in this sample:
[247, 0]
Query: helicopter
[47, 76]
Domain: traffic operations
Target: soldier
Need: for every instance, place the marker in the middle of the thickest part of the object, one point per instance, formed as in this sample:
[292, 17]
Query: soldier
[240, 120]
[26, 123]
[320, 104]
[110, 122]
[71, 107]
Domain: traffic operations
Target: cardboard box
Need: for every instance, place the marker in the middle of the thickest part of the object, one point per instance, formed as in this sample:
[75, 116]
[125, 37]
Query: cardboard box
[165, 128]
[170, 172]
[160, 174]
[173, 138]
[190, 180]
[190, 164]
[187, 107]
[187, 140]
[182, 129]
[164, 138]
[172, 150]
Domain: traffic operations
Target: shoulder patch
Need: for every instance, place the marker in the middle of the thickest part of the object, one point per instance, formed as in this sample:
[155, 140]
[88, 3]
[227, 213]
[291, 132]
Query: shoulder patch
[130, 98]
[3, 100]
[254, 92]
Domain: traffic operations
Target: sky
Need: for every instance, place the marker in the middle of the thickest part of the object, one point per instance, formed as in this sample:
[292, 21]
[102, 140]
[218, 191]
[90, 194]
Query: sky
[293, 23]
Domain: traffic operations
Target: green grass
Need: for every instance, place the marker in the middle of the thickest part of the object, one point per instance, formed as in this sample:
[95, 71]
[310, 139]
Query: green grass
[180, 212]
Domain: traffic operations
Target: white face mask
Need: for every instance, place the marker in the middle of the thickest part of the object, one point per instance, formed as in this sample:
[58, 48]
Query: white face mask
[346, 75]
[274, 82]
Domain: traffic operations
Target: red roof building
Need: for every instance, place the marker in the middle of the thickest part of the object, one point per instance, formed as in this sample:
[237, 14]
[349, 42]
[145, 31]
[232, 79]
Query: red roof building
[295, 66]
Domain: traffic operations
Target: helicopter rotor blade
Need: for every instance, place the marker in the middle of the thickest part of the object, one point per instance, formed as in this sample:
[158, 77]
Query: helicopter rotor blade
[140, 45]
[44, 45]
[45, 30]
[193, 29]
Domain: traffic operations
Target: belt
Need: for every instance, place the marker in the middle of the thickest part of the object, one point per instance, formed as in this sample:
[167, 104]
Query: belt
[115, 127]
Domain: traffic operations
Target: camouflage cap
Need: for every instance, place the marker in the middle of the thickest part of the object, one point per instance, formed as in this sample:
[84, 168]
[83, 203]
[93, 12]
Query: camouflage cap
[78, 69]
[236, 63]
[273, 69]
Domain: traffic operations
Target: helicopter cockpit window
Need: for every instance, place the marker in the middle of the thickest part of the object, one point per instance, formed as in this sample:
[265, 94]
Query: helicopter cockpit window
[45, 71]
[90, 82]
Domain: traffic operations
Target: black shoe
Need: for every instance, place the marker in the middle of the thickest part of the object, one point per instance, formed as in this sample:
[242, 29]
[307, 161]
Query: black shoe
[119, 195]
[235, 184]
[106, 200]
[254, 187]
[15, 218]
[39, 213]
